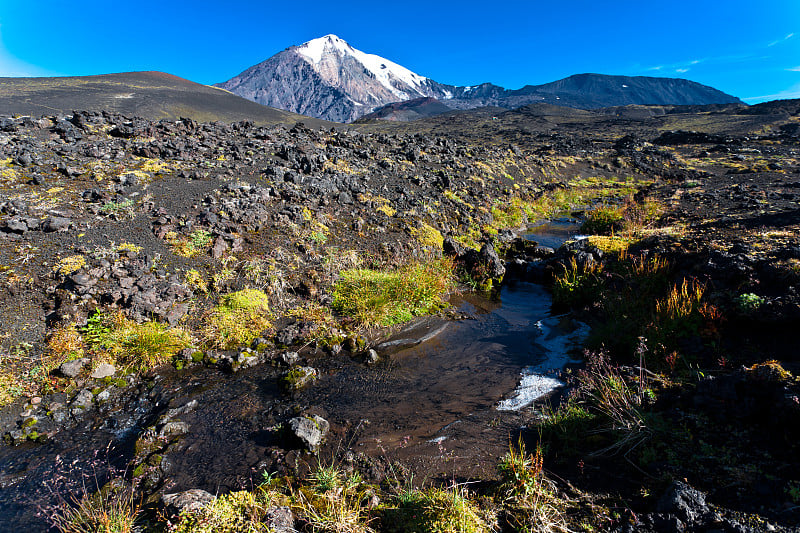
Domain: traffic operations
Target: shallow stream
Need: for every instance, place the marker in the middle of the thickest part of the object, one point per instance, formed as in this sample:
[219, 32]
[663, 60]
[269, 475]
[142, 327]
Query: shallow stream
[445, 406]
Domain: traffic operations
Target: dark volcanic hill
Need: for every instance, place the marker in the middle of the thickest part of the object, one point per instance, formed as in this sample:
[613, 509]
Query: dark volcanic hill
[409, 110]
[329, 79]
[150, 95]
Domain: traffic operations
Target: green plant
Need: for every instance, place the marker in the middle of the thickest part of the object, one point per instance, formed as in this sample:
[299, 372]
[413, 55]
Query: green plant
[564, 429]
[793, 490]
[236, 512]
[197, 242]
[318, 237]
[138, 346]
[577, 285]
[200, 239]
[112, 509]
[117, 207]
[333, 502]
[375, 297]
[239, 318]
[529, 499]
[602, 220]
[435, 510]
[195, 280]
[620, 405]
[749, 302]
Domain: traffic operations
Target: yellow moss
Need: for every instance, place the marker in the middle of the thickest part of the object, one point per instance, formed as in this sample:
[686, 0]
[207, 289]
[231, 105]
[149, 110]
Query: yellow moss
[428, 236]
[609, 244]
[128, 247]
[387, 210]
[771, 371]
[7, 381]
[154, 166]
[70, 264]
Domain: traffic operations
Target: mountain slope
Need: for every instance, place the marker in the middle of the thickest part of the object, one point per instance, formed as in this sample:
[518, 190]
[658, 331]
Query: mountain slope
[408, 110]
[150, 95]
[328, 78]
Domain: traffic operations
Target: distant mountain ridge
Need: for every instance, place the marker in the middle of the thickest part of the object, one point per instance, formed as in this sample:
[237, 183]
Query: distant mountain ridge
[328, 78]
[150, 95]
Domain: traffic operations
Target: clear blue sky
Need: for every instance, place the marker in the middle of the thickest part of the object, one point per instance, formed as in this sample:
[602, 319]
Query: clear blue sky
[748, 49]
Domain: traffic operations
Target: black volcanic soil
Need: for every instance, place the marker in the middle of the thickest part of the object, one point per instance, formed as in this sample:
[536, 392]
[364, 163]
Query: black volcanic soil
[82, 185]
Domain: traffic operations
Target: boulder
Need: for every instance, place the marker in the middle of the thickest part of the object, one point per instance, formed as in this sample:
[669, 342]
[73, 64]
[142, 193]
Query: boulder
[71, 369]
[681, 500]
[309, 431]
[103, 370]
[190, 501]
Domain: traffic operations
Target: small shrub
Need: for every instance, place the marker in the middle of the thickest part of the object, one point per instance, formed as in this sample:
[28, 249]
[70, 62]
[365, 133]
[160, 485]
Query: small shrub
[239, 318]
[749, 302]
[374, 297]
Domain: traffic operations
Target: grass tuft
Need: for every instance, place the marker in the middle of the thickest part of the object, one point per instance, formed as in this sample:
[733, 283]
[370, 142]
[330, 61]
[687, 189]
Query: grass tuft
[374, 297]
[112, 509]
[239, 318]
[137, 346]
[435, 510]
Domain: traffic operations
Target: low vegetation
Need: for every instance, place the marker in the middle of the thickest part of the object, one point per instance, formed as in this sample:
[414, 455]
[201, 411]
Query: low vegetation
[128, 344]
[382, 298]
[230, 513]
[239, 318]
[112, 509]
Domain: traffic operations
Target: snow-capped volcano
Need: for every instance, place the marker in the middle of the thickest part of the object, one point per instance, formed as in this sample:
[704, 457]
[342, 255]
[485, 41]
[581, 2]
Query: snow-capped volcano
[328, 54]
[328, 78]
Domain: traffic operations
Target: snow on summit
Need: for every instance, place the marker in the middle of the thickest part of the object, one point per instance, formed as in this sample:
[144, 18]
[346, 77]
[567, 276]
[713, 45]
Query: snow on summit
[325, 52]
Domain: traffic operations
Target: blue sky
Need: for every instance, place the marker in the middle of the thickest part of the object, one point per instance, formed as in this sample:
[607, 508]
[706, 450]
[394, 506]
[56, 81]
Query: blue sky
[748, 49]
